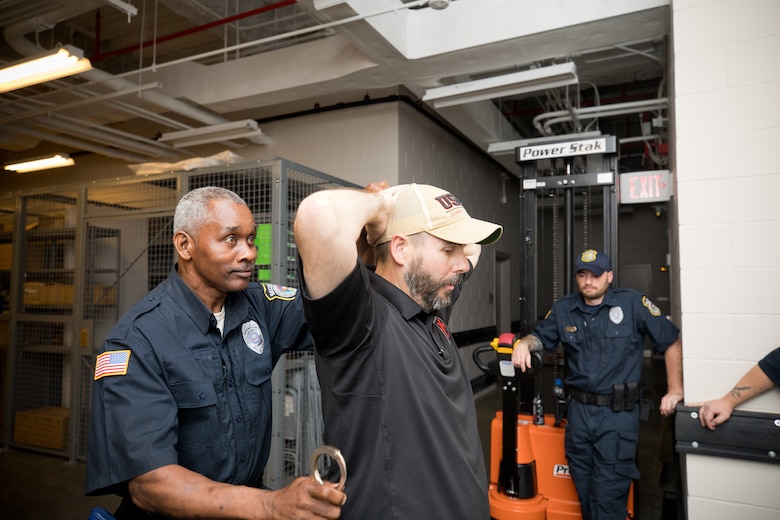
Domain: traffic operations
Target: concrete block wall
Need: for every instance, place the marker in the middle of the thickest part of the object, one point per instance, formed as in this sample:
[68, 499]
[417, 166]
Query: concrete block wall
[726, 85]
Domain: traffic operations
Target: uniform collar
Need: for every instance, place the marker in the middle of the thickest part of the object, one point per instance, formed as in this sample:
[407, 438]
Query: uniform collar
[609, 301]
[192, 305]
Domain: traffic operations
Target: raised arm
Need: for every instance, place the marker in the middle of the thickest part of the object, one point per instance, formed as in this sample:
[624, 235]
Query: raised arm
[327, 226]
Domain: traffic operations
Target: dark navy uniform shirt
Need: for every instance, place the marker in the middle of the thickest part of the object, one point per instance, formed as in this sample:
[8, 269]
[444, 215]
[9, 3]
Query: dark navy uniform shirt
[190, 396]
[604, 344]
[397, 402]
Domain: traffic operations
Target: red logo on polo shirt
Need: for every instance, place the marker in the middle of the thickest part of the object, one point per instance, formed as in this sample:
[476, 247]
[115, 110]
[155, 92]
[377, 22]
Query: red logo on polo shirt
[442, 326]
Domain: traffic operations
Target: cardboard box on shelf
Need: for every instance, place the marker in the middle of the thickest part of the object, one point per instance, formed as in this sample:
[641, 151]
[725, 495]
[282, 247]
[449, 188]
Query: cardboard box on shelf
[37, 293]
[51, 294]
[6, 256]
[51, 222]
[104, 295]
[4, 333]
[34, 293]
[65, 294]
[59, 294]
[43, 427]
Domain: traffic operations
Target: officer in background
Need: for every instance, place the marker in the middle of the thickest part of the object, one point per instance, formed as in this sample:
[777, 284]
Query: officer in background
[603, 333]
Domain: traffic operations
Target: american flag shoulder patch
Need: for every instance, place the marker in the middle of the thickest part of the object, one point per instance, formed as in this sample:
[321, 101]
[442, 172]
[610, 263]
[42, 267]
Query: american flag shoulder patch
[112, 363]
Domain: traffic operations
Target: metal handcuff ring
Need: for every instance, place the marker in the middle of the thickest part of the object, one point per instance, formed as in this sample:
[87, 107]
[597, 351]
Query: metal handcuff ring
[334, 454]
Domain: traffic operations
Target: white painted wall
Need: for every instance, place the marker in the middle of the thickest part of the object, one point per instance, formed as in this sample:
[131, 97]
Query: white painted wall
[726, 90]
[359, 145]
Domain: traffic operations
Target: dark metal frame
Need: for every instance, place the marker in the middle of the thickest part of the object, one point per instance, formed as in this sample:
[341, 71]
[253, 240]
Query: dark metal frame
[746, 435]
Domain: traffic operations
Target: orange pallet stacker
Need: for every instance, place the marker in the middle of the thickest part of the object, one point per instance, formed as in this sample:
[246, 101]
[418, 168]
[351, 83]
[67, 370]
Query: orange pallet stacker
[529, 472]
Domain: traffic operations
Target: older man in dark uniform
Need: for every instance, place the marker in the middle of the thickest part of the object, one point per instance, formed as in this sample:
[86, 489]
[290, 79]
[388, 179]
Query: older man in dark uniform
[181, 403]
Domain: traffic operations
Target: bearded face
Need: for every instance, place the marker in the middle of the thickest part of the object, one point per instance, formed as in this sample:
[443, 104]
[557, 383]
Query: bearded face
[592, 287]
[430, 293]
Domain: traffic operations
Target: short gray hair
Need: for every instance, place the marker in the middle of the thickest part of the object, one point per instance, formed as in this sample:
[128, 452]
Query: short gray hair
[191, 211]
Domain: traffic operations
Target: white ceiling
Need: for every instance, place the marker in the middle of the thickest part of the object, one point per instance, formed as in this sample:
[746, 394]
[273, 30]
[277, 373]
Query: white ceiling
[219, 60]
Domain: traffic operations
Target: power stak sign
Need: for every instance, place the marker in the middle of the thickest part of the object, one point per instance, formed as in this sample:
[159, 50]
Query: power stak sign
[646, 186]
[536, 152]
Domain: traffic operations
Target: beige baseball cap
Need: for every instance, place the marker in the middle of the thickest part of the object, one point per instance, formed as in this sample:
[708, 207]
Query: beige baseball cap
[421, 207]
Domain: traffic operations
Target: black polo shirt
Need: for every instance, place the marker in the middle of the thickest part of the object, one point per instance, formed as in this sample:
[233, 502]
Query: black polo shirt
[770, 364]
[397, 402]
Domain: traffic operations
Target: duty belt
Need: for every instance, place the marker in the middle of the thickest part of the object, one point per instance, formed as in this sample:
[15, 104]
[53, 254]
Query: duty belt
[588, 398]
[623, 397]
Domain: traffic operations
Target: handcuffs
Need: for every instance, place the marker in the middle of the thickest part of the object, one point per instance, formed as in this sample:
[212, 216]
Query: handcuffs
[334, 454]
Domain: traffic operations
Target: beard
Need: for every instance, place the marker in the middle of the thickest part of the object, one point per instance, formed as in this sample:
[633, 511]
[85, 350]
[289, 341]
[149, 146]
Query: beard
[593, 294]
[425, 290]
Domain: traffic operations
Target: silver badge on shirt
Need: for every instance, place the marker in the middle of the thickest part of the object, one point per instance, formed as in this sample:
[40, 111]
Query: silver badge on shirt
[616, 314]
[253, 336]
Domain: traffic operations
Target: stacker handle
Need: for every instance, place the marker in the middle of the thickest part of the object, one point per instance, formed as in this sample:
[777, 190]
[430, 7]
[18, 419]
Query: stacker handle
[503, 353]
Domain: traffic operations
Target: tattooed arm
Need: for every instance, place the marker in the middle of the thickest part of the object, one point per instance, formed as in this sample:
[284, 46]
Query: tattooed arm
[717, 411]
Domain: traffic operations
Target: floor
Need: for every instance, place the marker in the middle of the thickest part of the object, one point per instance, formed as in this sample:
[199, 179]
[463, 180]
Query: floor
[45, 487]
[38, 486]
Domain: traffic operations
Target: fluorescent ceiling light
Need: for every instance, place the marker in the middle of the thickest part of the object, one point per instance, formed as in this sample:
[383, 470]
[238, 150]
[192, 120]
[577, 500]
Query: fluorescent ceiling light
[500, 86]
[246, 128]
[44, 163]
[65, 61]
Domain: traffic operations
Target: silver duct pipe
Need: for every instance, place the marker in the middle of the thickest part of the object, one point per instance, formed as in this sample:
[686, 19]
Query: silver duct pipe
[560, 116]
[108, 136]
[82, 145]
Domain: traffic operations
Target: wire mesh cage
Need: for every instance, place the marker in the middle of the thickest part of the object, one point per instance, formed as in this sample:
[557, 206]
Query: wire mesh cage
[7, 221]
[41, 317]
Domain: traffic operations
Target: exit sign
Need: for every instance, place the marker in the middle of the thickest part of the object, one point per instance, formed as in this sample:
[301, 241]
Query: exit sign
[649, 186]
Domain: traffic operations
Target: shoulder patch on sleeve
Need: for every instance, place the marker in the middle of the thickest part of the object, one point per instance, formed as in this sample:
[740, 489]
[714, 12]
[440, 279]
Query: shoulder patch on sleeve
[112, 363]
[654, 310]
[279, 292]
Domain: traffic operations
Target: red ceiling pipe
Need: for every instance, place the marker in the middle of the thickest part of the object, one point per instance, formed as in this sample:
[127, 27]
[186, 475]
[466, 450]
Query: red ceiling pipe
[98, 57]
